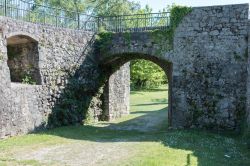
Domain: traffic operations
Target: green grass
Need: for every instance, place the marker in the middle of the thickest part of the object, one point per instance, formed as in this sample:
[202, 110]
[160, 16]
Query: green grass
[139, 139]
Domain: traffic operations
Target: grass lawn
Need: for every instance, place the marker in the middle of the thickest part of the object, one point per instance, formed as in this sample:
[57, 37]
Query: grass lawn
[138, 139]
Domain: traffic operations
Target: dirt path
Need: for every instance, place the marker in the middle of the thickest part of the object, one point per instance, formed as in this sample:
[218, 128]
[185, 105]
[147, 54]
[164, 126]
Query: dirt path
[79, 153]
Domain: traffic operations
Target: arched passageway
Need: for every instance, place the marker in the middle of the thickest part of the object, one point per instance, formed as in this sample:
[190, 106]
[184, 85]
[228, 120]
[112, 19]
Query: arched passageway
[117, 89]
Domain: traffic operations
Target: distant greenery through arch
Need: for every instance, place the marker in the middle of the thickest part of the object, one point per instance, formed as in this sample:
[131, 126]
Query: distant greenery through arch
[146, 75]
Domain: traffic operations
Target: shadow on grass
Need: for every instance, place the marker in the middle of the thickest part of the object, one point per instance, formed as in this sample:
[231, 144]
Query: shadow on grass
[148, 104]
[143, 112]
[150, 90]
[149, 121]
[161, 100]
[209, 148]
[142, 92]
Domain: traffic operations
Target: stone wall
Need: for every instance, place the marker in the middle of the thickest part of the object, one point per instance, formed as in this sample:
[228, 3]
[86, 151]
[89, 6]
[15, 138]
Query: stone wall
[24, 108]
[27, 111]
[118, 93]
[70, 85]
[211, 77]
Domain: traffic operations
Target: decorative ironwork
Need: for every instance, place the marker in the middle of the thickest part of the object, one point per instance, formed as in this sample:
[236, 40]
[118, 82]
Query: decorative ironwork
[45, 14]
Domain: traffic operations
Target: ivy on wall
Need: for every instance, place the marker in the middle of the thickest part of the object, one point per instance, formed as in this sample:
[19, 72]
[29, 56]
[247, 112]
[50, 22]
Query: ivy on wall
[103, 40]
[177, 13]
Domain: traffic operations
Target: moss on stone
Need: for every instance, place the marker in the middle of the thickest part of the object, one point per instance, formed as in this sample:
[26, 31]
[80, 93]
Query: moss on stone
[1, 56]
[103, 40]
[127, 37]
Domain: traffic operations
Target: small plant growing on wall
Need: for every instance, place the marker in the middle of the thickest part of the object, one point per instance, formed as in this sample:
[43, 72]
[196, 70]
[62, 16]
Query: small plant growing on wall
[1, 57]
[27, 79]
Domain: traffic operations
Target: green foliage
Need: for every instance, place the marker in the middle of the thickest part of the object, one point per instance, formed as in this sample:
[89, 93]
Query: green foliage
[164, 39]
[76, 101]
[247, 138]
[112, 7]
[177, 13]
[127, 37]
[103, 40]
[146, 74]
[71, 5]
[246, 131]
[73, 105]
[27, 79]
[95, 7]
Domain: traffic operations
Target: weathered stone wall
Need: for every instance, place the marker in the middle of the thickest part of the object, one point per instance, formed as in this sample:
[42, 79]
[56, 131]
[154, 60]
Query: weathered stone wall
[27, 110]
[118, 93]
[61, 53]
[70, 85]
[211, 76]
[5, 93]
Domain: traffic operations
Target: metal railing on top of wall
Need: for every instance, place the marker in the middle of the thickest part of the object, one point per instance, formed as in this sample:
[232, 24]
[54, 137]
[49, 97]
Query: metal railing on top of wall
[45, 14]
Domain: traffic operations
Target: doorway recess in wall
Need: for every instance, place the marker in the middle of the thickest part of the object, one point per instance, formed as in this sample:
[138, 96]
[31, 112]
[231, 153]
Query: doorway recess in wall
[23, 59]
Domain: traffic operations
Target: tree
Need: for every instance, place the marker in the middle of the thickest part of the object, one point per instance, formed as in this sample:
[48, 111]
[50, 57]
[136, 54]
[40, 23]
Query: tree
[146, 74]
[112, 7]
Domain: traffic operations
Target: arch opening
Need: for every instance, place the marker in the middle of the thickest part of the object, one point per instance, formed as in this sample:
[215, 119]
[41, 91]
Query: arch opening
[23, 59]
[117, 94]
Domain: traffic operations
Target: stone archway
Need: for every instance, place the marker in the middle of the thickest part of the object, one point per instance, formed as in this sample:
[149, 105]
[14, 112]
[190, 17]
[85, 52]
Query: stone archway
[116, 93]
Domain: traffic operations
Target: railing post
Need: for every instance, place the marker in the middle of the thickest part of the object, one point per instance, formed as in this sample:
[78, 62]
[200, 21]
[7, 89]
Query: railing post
[44, 17]
[98, 23]
[56, 17]
[78, 20]
[116, 23]
[5, 7]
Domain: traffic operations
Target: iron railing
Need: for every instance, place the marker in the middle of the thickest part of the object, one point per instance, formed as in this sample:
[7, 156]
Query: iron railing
[45, 14]
[136, 22]
[37, 13]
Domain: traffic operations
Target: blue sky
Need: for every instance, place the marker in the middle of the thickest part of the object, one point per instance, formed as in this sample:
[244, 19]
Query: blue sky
[159, 4]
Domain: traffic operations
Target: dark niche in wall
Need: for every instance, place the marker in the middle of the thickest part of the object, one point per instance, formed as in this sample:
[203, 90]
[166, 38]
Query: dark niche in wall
[23, 60]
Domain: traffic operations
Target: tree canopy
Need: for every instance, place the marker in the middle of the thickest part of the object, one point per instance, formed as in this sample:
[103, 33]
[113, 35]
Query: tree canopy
[146, 74]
